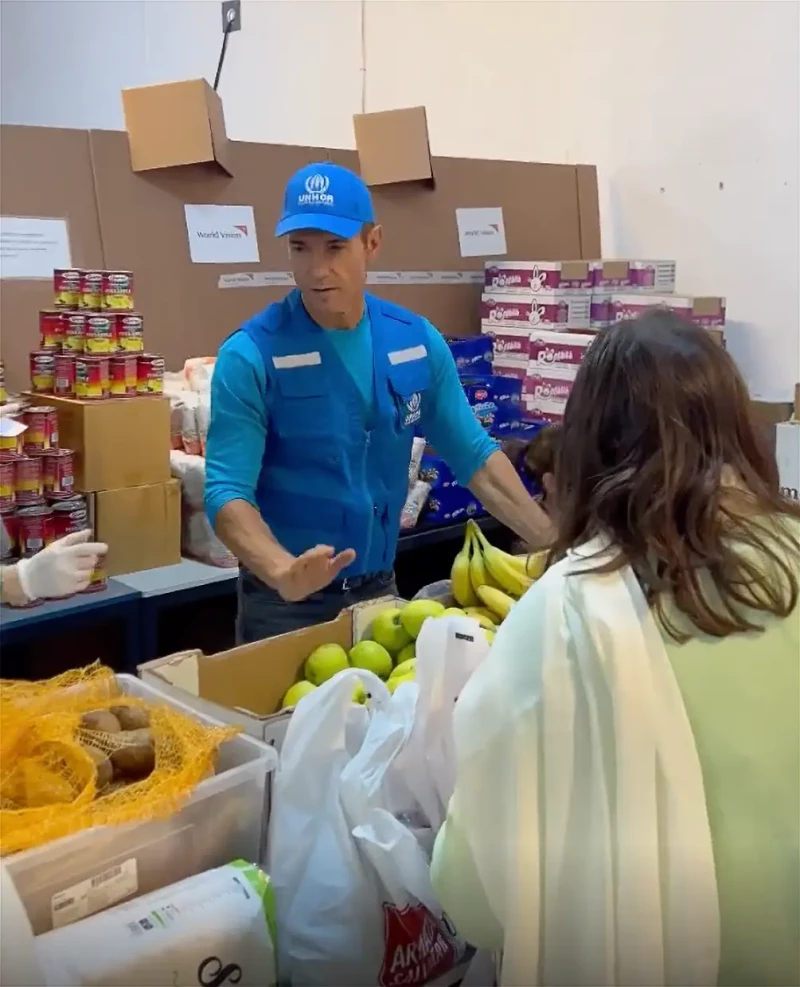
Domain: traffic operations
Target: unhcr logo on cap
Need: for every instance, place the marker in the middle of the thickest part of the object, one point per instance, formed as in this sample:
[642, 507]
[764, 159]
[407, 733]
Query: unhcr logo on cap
[316, 193]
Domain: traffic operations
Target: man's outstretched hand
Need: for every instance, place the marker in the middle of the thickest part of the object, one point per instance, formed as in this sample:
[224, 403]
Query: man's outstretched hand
[310, 572]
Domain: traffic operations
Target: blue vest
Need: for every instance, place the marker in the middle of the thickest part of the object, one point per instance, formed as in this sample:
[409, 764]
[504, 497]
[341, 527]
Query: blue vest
[335, 472]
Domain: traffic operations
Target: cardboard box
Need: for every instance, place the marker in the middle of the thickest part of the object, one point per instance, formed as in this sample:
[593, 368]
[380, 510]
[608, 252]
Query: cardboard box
[547, 309]
[245, 685]
[118, 443]
[140, 525]
[527, 276]
[175, 123]
[393, 146]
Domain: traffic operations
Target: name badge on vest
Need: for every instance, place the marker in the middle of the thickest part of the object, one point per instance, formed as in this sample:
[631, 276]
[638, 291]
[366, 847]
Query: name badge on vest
[412, 409]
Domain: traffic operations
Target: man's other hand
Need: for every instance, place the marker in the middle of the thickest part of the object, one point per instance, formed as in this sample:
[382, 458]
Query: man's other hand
[310, 572]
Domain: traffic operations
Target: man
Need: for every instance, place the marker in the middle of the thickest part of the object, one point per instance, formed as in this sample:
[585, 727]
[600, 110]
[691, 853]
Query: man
[313, 408]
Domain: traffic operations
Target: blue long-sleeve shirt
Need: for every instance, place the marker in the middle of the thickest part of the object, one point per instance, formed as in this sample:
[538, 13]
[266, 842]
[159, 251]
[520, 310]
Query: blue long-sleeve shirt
[240, 400]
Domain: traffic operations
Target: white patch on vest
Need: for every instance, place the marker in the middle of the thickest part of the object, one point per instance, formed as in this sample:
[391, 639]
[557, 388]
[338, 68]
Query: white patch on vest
[406, 356]
[297, 360]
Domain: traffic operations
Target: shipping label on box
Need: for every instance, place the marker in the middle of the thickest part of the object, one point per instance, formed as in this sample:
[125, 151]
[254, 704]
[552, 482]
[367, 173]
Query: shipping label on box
[546, 309]
[528, 277]
[787, 453]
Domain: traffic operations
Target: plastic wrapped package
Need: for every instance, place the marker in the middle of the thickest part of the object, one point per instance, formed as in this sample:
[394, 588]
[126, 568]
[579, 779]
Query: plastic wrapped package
[199, 541]
[417, 450]
[190, 471]
[198, 371]
[203, 417]
[415, 501]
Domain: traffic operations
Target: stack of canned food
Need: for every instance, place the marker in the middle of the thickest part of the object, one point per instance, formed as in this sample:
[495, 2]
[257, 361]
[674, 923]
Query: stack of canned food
[91, 343]
[38, 502]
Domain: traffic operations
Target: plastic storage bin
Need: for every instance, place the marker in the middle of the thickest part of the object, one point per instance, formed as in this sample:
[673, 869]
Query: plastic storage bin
[225, 819]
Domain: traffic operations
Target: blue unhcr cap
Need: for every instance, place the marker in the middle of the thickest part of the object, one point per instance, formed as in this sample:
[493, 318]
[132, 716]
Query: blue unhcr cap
[325, 197]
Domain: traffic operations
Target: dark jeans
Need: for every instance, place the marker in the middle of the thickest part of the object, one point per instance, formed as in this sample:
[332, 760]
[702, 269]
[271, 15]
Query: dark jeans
[262, 612]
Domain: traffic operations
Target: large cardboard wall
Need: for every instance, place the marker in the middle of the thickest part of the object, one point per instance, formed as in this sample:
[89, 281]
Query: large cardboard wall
[119, 219]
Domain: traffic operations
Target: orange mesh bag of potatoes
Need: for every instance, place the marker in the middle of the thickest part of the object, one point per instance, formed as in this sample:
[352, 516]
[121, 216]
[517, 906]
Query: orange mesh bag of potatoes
[76, 752]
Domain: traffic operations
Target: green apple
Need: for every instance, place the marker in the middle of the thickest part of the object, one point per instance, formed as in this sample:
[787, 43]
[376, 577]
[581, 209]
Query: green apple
[405, 668]
[324, 662]
[397, 681]
[453, 612]
[373, 657]
[389, 632]
[414, 614]
[404, 654]
[359, 696]
[297, 692]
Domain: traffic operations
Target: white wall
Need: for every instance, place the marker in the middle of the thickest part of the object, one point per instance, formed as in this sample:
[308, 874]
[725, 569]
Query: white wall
[691, 110]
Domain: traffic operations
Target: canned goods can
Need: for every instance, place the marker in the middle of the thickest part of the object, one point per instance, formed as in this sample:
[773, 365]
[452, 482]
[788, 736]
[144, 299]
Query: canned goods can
[42, 371]
[91, 298]
[51, 329]
[150, 374]
[35, 529]
[67, 287]
[118, 290]
[99, 579]
[8, 481]
[58, 473]
[64, 379]
[74, 336]
[124, 369]
[101, 333]
[28, 480]
[91, 377]
[69, 517]
[8, 518]
[42, 430]
[130, 332]
[11, 443]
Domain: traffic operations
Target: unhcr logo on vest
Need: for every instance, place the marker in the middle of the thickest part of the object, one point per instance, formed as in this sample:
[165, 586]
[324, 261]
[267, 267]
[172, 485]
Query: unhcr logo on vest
[316, 193]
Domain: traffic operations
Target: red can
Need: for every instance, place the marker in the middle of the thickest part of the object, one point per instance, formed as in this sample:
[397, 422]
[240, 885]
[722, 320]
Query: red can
[69, 517]
[130, 332]
[74, 336]
[8, 518]
[124, 369]
[28, 480]
[67, 287]
[8, 480]
[91, 377]
[35, 529]
[42, 371]
[99, 579]
[51, 329]
[101, 333]
[64, 380]
[42, 430]
[150, 374]
[91, 297]
[58, 473]
[118, 290]
[11, 443]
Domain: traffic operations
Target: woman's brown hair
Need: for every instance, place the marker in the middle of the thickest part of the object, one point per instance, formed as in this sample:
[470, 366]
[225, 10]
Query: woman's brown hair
[659, 452]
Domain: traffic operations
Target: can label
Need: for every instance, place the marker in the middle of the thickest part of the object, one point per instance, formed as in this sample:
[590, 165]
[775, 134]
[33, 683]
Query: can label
[101, 335]
[51, 329]
[69, 517]
[74, 332]
[130, 332]
[42, 430]
[124, 375]
[98, 580]
[150, 376]
[64, 384]
[8, 493]
[91, 377]
[10, 520]
[10, 443]
[42, 371]
[58, 473]
[67, 287]
[118, 290]
[28, 480]
[91, 291]
[35, 530]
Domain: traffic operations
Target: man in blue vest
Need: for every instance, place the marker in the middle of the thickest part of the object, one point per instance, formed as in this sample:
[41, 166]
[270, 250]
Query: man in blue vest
[313, 408]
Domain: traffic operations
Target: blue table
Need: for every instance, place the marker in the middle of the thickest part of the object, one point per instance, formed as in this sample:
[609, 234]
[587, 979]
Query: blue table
[117, 601]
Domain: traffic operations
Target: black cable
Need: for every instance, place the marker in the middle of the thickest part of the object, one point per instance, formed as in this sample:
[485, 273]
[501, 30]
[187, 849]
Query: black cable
[225, 34]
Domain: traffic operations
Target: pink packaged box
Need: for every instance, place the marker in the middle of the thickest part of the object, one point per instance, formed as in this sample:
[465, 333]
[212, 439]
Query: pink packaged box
[531, 276]
[657, 276]
[544, 395]
[545, 309]
[510, 344]
[562, 351]
[505, 367]
[708, 312]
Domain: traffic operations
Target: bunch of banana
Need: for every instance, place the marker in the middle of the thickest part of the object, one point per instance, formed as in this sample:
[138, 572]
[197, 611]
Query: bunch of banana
[486, 581]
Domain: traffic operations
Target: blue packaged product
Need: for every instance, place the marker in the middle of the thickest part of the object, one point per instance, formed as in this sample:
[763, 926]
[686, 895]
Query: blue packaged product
[472, 355]
[506, 390]
[452, 504]
[434, 470]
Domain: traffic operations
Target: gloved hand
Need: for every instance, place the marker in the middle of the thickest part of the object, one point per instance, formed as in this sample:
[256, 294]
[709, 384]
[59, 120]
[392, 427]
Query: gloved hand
[63, 568]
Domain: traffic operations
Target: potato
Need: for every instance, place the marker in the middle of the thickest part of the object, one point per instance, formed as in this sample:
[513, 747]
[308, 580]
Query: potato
[100, 721]
[102, 766]
[137, 758]
[131, 717]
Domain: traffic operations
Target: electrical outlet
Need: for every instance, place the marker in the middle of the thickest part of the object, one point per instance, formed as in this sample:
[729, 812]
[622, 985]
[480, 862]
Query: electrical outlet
[231, 15]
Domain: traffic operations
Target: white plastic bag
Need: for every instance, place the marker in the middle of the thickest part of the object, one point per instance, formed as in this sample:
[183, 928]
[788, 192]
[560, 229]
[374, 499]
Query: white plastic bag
[191, 472]
[354, 899]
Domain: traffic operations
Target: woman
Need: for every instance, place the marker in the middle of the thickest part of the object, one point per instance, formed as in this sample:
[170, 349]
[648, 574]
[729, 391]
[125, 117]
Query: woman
[627, 801]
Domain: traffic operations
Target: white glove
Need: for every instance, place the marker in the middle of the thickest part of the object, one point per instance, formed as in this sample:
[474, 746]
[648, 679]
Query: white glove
[63, 568]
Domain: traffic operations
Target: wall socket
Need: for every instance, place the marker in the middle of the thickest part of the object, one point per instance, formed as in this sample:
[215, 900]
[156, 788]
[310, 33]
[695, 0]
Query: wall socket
[231, 15]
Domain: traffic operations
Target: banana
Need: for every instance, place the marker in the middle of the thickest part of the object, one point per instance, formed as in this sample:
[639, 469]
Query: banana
[484, 616]
[496, 600]
[477, 568]
[461, 587]
[507, 577]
